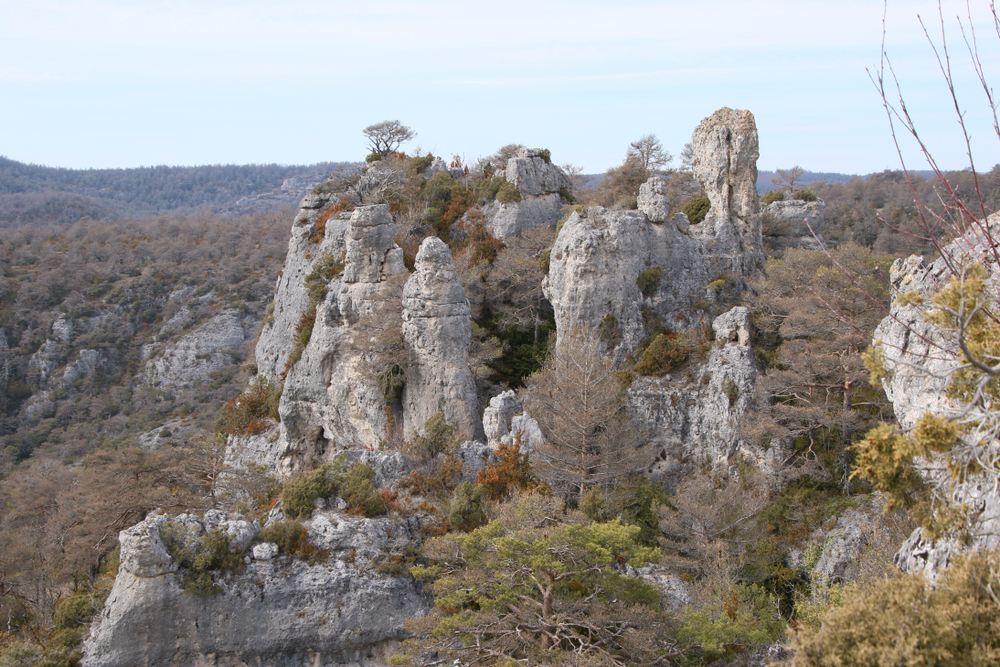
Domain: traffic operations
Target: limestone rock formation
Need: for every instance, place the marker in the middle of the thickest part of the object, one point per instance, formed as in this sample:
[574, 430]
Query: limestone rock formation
[624, 273]
[328, 403]
[277, 338]
[539, 182]
[437, 328]
[498, 415]
[920, 359]
[279, 610]
[724, 157]
[596, 264]
[790, 224]
[196, 355]
[693, 413]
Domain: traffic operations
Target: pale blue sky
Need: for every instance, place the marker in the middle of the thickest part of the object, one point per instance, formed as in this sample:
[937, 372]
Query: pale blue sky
[109, 83]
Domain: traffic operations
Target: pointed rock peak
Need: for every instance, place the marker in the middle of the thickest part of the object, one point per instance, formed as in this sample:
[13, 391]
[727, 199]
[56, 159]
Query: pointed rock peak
[724, 156]
[434, 281]
[371, 242]
[433, 253]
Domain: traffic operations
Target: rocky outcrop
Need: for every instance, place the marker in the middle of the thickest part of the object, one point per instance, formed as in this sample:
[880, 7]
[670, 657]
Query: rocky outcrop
[540, 183]
[437, 328]
[920, 358]
[724, 158]
[692, 413]
[193, 358]
[279, 610]
[291, 298]
[792, 224]
[624, 274]
[595, 268]
[498, 415]
[329, 403]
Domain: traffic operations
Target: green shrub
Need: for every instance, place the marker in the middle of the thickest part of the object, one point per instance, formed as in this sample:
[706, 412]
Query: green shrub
[649, 281]
[467, 508]
[290, 536]
[508, 193]
[546, 155]
[418, 164]
[771, 196]
[211, 553]
[666, 352]
[629, 202]
[299, 494]
[323, 271]
[545, 260]
[565, 196]
[731, 391]
[245, 414]
[744, 617]
[357, 488]
[438, 438]
[804, 195]
[911, 620]
[697, 209]
[73, 611]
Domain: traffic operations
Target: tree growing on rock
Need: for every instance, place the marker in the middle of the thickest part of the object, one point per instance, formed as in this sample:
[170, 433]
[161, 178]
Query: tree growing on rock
[525, 588]
[385, 137]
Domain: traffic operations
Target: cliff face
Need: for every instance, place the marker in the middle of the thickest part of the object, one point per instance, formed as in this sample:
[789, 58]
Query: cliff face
[291, 298]
[329, 404]
[330, 401]
[920, 358]
[610, 270]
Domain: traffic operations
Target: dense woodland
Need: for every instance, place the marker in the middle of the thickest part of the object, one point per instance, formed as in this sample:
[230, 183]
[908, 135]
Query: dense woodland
[72, 477]
[32, 194]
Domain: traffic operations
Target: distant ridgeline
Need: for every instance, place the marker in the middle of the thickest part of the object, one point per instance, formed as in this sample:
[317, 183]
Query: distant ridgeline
[33, 194]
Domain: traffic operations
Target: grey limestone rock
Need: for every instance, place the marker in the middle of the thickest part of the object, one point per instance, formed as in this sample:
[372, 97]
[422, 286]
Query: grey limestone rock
[328, 404]
[192, 358]
[291, 298]
[920, 553]
[533, 175]
[790, 224]
[600, 254]
[920, 359]
[524, 430]
[498, 415]
[596, 262]
[724, 157]
[511, 218]
[437, 328]
[693, 416]
[653, 200]
[539, 182]
[277, 611]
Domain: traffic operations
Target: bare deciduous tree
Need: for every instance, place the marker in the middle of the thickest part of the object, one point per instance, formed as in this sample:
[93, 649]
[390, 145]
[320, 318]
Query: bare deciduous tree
[385, 137]
[590, 437]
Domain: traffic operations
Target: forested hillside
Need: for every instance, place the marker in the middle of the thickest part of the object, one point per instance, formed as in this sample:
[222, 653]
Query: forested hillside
[33, 194]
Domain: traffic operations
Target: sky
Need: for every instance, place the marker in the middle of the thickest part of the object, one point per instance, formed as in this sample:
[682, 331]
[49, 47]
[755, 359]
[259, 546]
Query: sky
[108, 83]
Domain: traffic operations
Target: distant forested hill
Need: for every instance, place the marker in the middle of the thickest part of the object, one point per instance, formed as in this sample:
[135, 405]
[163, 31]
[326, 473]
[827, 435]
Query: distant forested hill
[33, 194]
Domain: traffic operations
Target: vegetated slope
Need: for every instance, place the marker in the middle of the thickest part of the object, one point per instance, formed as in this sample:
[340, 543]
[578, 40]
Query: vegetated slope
[34, 194]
